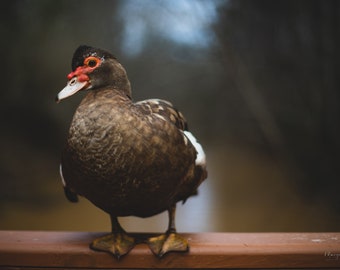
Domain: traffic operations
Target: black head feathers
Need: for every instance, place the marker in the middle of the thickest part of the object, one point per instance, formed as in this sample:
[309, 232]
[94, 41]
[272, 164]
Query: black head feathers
[84, 51]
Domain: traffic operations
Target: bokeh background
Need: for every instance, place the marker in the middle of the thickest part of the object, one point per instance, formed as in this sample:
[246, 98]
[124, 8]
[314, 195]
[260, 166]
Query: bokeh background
[257, 80]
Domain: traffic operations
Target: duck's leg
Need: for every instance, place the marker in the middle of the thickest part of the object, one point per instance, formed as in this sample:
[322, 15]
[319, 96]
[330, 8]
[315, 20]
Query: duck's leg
[170, 241]
[118, 242]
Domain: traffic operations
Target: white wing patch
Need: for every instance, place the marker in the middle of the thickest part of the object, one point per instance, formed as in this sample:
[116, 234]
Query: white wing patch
[61, 175]
[200, 159]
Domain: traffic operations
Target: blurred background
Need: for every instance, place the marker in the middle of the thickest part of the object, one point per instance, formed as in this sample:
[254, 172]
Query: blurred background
[258, 82]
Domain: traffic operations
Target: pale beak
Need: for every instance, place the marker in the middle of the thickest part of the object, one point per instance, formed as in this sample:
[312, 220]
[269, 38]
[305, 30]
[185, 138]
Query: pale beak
[72, 87]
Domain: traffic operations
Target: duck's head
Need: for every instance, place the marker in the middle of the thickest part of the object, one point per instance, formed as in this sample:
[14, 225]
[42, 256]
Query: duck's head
[94, 68]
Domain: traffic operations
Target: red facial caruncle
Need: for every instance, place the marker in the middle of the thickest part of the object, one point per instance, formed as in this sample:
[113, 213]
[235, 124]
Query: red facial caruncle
[79, 78]
[90, 64]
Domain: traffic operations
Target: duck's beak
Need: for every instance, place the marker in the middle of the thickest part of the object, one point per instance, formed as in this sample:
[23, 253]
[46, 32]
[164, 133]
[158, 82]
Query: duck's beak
[72, 87]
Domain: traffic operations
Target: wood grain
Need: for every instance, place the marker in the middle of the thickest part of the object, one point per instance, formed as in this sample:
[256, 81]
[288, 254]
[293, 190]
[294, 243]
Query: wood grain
[46, 250]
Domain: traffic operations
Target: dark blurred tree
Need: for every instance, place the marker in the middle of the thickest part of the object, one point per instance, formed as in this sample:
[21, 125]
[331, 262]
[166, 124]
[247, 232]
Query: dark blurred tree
[38, 38]
[283, 59]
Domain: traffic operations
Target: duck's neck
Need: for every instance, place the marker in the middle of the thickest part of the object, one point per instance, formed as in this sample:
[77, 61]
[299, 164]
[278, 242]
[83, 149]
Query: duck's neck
[107, 94]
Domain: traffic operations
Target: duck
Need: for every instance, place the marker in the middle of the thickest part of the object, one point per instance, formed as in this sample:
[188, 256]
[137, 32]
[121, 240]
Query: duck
[127, 158]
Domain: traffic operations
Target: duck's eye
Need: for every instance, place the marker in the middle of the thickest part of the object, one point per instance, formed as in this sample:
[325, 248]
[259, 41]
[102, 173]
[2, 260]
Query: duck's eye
[91, 61]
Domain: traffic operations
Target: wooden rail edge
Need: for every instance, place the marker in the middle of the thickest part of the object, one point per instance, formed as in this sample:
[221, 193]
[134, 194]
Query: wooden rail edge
[48, 250]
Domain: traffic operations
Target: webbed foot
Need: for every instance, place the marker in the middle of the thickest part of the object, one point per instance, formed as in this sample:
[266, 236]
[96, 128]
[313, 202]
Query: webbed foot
[117, 244]
[167, 242]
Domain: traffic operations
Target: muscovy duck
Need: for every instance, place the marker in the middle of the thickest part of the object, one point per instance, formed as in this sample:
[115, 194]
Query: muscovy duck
[128, 158]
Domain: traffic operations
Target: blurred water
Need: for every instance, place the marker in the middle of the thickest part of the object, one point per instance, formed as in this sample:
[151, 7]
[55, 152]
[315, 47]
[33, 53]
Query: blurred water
[245, 191]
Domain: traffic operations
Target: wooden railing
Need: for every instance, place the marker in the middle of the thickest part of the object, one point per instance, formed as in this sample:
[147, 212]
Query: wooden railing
[70, 250]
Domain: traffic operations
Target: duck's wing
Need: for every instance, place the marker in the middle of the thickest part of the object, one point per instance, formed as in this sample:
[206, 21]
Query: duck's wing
[164, 110]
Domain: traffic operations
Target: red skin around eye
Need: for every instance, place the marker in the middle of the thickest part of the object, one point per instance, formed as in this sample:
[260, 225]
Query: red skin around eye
[81, 73]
